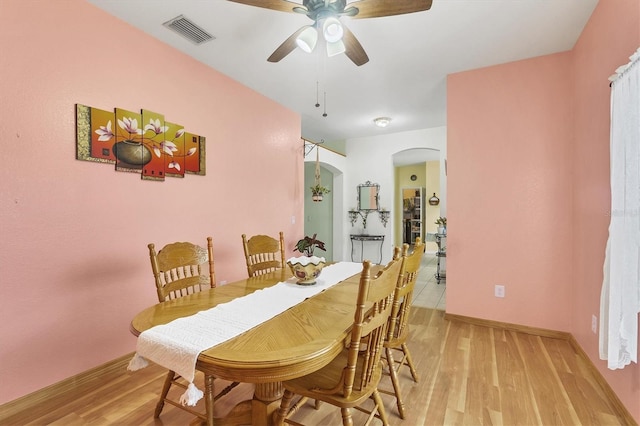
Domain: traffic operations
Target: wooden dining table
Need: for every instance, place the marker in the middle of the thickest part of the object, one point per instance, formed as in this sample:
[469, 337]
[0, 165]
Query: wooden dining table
[296, 342]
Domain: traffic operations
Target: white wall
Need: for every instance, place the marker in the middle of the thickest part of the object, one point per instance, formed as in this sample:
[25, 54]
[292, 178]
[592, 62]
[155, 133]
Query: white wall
[371, 159]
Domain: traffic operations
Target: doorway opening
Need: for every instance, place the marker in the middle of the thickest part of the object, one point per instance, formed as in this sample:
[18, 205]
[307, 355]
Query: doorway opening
[418, 184]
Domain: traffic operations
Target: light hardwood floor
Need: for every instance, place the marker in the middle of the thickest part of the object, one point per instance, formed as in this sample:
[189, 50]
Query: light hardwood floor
[469, 375]
[428, 293]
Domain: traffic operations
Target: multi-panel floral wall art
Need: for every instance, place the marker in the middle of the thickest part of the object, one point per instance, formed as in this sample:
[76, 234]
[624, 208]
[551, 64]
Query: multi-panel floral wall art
[155, 150]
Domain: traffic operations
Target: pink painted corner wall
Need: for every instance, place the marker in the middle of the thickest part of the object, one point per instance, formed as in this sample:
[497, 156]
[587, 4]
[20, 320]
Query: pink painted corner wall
[509, 186]
[528, 185]
[74, 266]
[611, 36]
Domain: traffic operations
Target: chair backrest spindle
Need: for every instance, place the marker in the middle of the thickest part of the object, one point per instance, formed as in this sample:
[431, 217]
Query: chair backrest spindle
[399, 319]
[263, 254]
[178, 269]
[373, 309]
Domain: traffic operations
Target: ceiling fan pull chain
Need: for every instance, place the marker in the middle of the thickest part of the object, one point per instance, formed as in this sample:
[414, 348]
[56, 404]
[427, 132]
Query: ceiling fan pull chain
[325, 105]
[317, 95]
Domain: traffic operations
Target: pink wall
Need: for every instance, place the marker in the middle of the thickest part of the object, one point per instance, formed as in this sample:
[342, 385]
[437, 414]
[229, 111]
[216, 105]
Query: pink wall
[528, 186]
[73, 257]
[509, 186]
[612, 35]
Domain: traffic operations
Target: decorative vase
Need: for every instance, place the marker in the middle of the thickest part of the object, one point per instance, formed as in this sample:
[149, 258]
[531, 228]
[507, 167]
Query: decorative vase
[132, 152]
[317, 197]
[306, 269]
[442, 230]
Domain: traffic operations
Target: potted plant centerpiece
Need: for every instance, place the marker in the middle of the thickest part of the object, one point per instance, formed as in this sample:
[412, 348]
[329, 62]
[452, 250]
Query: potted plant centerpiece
[307, 268]
[318, 191]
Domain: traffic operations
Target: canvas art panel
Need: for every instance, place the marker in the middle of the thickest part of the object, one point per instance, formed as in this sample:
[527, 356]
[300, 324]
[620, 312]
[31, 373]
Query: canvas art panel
[138, 143]
[174, 164]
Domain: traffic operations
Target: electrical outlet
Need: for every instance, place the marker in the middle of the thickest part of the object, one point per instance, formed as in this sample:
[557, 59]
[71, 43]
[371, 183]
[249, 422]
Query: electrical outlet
[293, 220]
[223, 282]
[499, 290]
[594, 324]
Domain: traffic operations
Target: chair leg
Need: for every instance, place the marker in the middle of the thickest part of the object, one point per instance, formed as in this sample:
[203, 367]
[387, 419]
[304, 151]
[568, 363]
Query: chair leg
[347, 419]
[393, 372]
[165, 390]
[283, 412]
[380, 406]
[226, 390]
[407, 355]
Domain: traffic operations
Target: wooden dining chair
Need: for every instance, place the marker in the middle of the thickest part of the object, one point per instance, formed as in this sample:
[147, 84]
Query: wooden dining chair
[180, 269]
[263, 254]
[398, 333]
[352, 377]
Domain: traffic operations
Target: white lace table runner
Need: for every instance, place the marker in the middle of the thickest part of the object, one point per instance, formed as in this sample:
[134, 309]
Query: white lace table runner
[176, 345]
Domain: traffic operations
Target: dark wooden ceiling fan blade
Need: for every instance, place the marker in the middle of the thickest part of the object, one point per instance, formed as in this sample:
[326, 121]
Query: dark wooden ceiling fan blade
[286, 47]
[353, 48]
[379, 8]
[280, 5]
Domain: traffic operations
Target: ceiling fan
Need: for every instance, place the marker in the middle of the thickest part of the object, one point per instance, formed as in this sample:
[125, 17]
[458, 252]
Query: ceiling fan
[325, 15]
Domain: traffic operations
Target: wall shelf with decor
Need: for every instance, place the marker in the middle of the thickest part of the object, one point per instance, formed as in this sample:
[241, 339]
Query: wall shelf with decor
[412, 214]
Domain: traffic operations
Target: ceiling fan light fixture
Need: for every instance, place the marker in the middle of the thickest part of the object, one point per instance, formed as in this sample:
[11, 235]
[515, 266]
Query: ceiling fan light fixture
[336, 48]
[382, 121]
[307, 39]
[332, 29]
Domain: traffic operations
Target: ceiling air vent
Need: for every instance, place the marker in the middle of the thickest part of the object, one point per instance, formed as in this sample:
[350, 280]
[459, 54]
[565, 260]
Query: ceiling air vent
[188, 30]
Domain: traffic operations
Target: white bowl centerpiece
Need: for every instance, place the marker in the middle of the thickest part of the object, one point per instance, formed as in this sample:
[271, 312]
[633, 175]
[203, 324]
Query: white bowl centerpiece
[306, 269]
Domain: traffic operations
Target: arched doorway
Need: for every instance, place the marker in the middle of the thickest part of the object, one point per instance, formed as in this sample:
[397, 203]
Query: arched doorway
[320, 217]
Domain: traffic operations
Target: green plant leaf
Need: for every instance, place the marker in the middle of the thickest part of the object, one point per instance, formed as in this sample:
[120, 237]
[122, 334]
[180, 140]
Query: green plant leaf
[308, 244]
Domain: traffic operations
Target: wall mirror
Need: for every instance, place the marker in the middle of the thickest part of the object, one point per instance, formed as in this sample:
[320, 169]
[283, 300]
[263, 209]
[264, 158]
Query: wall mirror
[368, 196]
[368, 201]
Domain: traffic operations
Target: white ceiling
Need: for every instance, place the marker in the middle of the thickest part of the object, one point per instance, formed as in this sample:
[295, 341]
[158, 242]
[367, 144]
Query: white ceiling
[410, 55]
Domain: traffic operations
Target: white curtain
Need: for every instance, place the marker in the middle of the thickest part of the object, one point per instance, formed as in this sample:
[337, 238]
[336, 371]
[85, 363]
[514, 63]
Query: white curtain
[620, 298]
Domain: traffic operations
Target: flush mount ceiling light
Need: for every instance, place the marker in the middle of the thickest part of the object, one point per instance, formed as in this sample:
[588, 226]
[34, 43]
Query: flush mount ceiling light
[382, 121]
[307, 39]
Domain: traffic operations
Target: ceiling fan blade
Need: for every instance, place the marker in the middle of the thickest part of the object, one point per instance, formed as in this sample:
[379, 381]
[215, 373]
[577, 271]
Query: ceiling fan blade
[353, 48]
[286, 47]
[379, 8]
[280, 5]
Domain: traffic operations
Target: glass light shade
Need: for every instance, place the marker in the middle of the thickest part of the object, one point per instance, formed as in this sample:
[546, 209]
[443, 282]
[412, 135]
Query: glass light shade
[332, 30]
[382, 121]
[336, 48]
[307, 39]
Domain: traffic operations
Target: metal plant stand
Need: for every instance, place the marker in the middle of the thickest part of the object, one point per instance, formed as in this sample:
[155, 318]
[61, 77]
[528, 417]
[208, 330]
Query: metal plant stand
[441, 254]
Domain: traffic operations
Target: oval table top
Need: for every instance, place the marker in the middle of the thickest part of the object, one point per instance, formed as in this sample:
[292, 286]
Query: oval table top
[296, 342]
